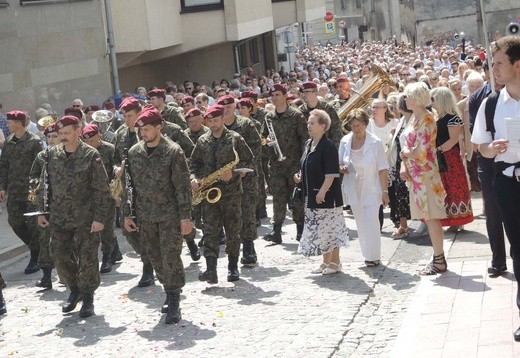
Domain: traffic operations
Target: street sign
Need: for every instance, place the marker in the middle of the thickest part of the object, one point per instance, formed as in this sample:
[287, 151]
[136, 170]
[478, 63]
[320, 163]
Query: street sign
[342, 24]
[330, 27]
[329, 16]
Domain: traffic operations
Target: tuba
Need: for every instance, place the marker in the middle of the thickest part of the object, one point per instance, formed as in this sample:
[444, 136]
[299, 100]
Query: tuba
[360, 99]
[104, 119]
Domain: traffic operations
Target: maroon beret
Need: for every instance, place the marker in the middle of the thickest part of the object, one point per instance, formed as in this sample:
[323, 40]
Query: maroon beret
[227, 99]
[250, 94]
[74, 111]
[193, 113]
[16, 116]
[109, 105]
[291, 97]
[214, 111]
[157, 93]
[89, 131]
[67, 120]
[128, 104]
[187, 99]
[51, 128]
[342, 79]
[92, 108]
[309, 85]
[245, 102]
[149, 115]
[278, 87]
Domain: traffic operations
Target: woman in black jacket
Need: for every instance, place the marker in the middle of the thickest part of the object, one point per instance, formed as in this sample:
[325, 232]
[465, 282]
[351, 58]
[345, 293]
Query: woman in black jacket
[324, 230]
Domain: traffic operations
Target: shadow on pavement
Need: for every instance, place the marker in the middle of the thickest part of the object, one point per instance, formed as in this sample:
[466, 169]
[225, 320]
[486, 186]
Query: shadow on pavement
[342, 282]
[179, 336]
[243, 291]
[260, 273]
[465, 283]
[396, 279]
[111, 278]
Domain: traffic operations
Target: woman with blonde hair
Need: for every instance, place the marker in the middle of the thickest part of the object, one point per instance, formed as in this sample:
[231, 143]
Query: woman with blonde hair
[421, 171]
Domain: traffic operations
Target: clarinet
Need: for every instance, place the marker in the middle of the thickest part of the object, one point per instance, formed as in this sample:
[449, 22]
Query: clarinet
[129, 188]
[46, 190]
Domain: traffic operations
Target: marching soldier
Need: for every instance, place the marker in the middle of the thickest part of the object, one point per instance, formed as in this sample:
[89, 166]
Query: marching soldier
[109, 245]
[79, 204]
[169, 113]
[217, 153]
[160, 174]
[45, 259]
[20, 150]
[247, 129]
[290, 129]
[187, 103]
[309, 92]
[126, 137]
[177, 134]
[343, 93]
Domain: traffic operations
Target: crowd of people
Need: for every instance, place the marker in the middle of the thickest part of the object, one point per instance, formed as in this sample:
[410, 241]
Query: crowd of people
[406, 144]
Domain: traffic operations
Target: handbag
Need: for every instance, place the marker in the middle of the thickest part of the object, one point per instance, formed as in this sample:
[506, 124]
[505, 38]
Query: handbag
[441, 161]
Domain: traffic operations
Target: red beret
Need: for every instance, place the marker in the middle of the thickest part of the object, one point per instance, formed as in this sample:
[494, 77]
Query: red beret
[109, 105]
[187, 99]
[309, 85]
[92, 108]
[278, 87]
[51, 128]
[67, 120]
[342, 79]
[128, 104]
[74, 111]
[149, 115]
[193, 113]
[227, 99]
[157, 93]
[245, 102]
[89, 131]
[250, 94]
[291, 97]
[16, 116]
[214, 111]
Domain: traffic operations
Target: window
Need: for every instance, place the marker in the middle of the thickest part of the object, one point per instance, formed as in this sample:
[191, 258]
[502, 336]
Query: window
[41, 2]
[201, 5]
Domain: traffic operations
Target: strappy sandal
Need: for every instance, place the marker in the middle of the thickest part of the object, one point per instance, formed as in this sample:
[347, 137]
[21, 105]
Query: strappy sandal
[333, 268]
[320, 269]
[372, 263]
[401, 232]
[432, 269]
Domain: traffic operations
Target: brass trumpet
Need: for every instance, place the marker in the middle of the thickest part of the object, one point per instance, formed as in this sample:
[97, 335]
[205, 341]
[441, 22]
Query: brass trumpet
[103, 119]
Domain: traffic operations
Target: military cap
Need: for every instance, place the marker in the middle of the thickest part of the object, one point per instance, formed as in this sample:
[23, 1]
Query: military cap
[278, 87]
[342, 79]
[89, 131]
[227, 99]
[109, 105]
[291, 97]
[149, 115]
[51, 128]
[16, 116]
[67, 120]
[128, 104]
[157, 93]
[245, 102]
[74, 111]
[187, 99]
[250, 94]
[214, 111]
[308, 85]
[193, 113]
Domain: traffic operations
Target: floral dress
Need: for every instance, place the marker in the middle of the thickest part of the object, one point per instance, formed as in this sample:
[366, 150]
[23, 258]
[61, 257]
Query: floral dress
[427, 193]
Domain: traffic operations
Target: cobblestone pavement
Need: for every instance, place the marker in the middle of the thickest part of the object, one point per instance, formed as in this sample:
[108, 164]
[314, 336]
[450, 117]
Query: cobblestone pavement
[277, 309]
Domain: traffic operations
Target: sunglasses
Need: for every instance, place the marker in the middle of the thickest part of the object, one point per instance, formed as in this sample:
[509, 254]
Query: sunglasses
[76, 105]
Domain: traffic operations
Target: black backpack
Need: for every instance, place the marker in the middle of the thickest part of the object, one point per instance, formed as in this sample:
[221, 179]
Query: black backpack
[491, 106]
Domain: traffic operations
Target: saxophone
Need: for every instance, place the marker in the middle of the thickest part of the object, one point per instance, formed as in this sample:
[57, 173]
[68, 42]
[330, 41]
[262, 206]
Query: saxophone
[206, 191]
[46, 190]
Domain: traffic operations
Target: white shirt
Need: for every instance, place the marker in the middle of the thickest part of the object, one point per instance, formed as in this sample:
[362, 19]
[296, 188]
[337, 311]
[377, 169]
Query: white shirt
[507, 107]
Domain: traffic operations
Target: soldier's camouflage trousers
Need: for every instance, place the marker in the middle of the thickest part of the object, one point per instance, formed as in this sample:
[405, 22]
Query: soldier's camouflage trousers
[108, 237]
[282, 187]
[45, 259]
[164, 246]
[24, 228]
[249, 200]
[75, 254]
[136, 241]
[262, 194]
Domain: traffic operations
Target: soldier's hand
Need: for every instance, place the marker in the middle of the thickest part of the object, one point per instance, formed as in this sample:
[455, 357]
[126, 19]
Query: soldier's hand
[42, 221]
[195, 185]
[2, 195]
[117, 172]
[297, 178]
[96, 226]
[186, 227]
[130, 225]
[227, 175]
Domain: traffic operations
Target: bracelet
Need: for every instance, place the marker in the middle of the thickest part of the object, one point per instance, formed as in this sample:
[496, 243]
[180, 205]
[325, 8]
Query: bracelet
[385, 191]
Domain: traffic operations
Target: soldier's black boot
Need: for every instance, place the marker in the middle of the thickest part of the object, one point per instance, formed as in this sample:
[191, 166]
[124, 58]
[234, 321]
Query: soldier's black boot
[210, 275]
[106, 264]
[46, 280]
[248, 255]
[233, 273]
[174, 312]
[87, 309]
[275, 236]
[147, 279]
[3, 309]
[33, 266]
[116, 254]
[74, 297]
[299, 232]
[194, 250]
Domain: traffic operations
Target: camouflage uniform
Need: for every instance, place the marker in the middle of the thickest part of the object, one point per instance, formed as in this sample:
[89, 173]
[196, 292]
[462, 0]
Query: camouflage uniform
[291, 132]
[16, 160]
[163, 198]
[263, 166]
[108, 237]
[247, 129]
[177, 134]
[338, 102]
[44, 233]
[174, 114]
[334, 133]
[126, 139]
[209, 155]
[79, 196]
